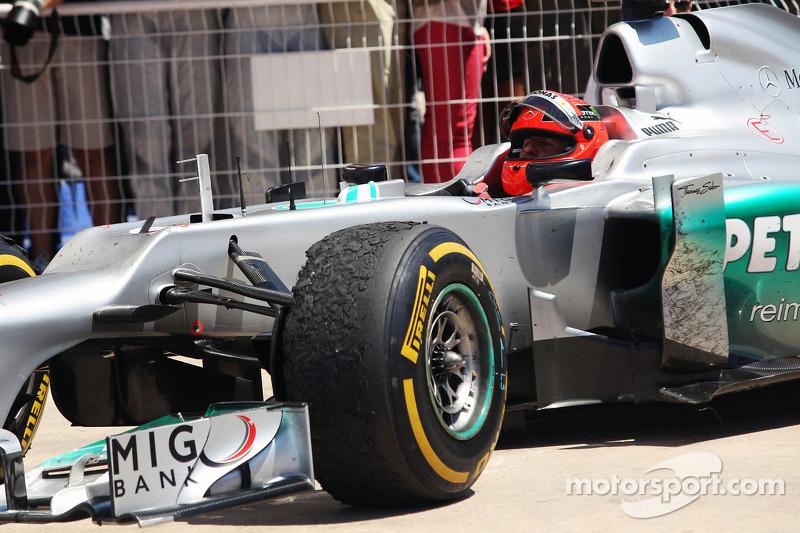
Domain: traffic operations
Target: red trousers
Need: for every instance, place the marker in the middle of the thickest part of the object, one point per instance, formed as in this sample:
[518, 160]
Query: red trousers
[451, 57]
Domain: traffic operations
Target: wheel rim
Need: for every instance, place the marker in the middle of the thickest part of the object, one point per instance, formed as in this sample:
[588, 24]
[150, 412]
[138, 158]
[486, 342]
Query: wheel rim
[460, 361]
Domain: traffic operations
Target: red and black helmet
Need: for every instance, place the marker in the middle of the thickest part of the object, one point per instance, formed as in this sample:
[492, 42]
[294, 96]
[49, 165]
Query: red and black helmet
[547, 126]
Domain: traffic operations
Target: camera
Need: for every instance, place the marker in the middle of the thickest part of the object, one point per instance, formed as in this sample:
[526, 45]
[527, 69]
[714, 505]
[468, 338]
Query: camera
[22, 21]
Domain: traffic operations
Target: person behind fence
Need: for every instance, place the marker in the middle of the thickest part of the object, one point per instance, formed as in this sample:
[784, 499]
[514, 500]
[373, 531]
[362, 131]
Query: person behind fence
[505, 75]
[165, 77]
[677, 6]
[269, 151]
[60, 100]
[372, 23]
[453, 50]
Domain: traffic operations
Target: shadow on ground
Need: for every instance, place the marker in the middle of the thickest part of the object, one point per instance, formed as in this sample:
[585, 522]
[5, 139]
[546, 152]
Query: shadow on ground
[304, 509]
[659, 424]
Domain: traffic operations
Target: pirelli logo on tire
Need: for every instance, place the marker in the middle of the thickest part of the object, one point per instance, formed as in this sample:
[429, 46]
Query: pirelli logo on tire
[416, 325]
[35, 413]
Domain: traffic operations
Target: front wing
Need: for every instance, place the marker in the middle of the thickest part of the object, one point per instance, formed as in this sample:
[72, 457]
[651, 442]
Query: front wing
[167, 469]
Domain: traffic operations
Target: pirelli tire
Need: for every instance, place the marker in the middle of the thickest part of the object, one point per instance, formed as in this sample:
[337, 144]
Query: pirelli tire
[395, 339]
[26, 413]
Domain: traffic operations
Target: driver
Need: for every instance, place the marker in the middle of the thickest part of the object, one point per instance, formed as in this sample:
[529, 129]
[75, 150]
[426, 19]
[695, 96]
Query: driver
[547, 126]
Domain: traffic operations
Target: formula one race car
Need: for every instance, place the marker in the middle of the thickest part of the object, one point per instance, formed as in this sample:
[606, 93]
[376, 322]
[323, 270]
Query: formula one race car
[663, 271]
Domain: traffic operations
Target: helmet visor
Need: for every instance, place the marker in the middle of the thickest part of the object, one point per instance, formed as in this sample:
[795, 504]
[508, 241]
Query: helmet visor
[536, 145]
[552, 107]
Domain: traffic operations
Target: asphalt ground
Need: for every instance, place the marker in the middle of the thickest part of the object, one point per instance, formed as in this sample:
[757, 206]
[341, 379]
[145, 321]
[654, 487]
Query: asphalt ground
[754, 436]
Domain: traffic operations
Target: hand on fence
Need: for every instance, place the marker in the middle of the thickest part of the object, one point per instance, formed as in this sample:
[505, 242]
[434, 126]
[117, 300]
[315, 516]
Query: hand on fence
[487, 47]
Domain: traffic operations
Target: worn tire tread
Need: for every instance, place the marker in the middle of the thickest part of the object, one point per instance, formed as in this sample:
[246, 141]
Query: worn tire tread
[331, 299]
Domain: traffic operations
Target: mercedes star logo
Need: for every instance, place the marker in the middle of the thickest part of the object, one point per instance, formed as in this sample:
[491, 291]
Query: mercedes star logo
[769, 81]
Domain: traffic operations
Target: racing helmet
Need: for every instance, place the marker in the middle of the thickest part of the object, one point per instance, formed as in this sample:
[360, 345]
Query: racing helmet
[547, 126]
